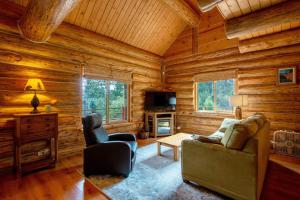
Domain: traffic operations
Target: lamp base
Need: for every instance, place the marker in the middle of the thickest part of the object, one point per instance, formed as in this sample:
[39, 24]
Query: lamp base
[238, 112]
[35, 103]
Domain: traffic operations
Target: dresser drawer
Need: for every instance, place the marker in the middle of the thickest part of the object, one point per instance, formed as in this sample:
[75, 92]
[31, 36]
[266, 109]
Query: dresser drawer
[37, 127]
[38, 119]
[43, 135]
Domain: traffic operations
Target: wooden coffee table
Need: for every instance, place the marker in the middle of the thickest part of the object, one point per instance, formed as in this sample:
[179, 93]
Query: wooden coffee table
[174, 142]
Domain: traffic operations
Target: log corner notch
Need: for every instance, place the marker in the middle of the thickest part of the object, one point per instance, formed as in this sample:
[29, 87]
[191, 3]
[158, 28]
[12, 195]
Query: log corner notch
[41, 18]
[184, 11]
[285, 12]
[207, 5]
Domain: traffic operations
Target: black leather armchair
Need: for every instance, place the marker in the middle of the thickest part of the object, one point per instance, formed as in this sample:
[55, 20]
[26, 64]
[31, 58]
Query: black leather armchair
[107, 154]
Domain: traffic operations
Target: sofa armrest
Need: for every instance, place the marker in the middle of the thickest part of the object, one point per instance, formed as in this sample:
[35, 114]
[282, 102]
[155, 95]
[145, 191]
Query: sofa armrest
[122, 137]
[228, 171]
[107, 158]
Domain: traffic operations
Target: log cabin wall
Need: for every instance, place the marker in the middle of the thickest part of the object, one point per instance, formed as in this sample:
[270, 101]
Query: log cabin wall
[256, 77]
[58, 63]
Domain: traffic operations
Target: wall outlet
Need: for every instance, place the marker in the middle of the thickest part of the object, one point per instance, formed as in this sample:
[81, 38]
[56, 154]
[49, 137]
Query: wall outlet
[178, 127]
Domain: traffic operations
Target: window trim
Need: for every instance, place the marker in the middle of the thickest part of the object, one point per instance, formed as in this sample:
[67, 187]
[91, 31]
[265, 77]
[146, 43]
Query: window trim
[108, 121]
[215, 97]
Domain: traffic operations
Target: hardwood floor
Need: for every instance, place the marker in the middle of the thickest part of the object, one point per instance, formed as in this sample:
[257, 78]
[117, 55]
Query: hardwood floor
[65, 181]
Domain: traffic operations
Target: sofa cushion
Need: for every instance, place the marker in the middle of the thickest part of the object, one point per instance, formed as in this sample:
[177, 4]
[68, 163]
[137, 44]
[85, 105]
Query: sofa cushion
[236, 136]
[226, 123]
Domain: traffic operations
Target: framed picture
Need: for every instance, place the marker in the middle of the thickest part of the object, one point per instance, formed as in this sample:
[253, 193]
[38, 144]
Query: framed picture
[287, 75]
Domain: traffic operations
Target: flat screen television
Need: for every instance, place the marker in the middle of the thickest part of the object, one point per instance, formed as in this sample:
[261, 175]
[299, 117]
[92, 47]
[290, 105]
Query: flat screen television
[162, 101]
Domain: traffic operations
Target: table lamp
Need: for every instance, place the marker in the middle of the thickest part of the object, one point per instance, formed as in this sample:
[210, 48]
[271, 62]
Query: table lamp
[237, 101]
[33, 86]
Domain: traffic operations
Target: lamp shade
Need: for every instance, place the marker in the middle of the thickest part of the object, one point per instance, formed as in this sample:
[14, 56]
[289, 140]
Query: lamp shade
[239, 100]
[172, 101]
[34, 85]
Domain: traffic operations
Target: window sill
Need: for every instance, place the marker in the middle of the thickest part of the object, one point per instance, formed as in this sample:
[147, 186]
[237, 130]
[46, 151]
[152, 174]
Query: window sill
[214, 114]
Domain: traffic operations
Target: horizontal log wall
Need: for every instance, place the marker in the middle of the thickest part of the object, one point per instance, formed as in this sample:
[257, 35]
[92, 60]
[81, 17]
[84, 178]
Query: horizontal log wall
[256, 77]
[58, 65]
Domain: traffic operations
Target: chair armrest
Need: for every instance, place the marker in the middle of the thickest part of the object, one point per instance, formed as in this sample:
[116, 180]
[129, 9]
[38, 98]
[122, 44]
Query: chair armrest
[121, 137]
[214, 166]
[107, 158]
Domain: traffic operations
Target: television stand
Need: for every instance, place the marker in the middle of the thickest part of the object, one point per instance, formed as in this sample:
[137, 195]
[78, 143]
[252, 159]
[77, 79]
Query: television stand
[160, 123]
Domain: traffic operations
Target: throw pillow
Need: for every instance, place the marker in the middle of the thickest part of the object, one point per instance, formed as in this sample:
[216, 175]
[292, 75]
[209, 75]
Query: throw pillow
[226, 123]
[209, 139]
[235, 136]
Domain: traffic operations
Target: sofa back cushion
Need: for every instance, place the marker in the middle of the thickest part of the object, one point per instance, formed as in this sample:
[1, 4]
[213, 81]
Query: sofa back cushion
[251, 125]
[236, 136]
[226, 123]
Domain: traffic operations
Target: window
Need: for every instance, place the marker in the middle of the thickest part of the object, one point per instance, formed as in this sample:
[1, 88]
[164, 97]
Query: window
[110, 98]
[214, 95]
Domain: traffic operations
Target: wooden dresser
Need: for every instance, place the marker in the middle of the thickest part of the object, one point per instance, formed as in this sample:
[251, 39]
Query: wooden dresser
[34, 128]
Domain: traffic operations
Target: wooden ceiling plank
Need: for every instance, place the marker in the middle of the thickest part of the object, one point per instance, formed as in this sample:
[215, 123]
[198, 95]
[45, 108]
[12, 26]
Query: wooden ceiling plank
[111, 16]
[164, 17]
[94, 15]
[124, 24]
[225, 10]
[155, 21]
[254, 4]
[244, 6]
[89, 12]
[145, 12]
[145, 23]
[103, 20]
[207, 5]
[115, 29]
[234, 7]
[184, 11]
[180, 26]
[132, 20]
[81, 12]
[152, 25]
[282, 13]
[116, 17]
[271, 41]
[73, 14]
[99, 15]
[40, 18]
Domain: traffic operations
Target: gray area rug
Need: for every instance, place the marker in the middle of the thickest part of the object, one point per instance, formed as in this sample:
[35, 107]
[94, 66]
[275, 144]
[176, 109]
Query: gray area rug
[153, 178]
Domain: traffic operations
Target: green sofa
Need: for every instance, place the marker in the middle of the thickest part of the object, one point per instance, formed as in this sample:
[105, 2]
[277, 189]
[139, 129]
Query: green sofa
[236, 173]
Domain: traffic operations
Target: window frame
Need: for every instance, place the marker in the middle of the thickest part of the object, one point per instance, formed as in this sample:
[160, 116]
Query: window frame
[107, 97]
[196, 101]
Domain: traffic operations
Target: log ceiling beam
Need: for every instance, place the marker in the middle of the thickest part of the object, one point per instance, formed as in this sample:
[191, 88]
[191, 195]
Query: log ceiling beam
[285, 12]
[184, 11]
[41, 18]
[271, 41]
[207, 5]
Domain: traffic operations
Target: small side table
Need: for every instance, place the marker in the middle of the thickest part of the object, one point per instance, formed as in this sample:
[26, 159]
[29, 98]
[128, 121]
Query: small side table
[32, 128]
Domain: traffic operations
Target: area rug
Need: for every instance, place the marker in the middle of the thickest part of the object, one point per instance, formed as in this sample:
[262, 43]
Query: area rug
[153, 178]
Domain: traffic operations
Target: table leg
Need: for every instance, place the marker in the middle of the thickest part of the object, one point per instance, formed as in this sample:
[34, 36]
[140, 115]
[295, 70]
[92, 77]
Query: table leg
[158, 149]
[175, 149]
